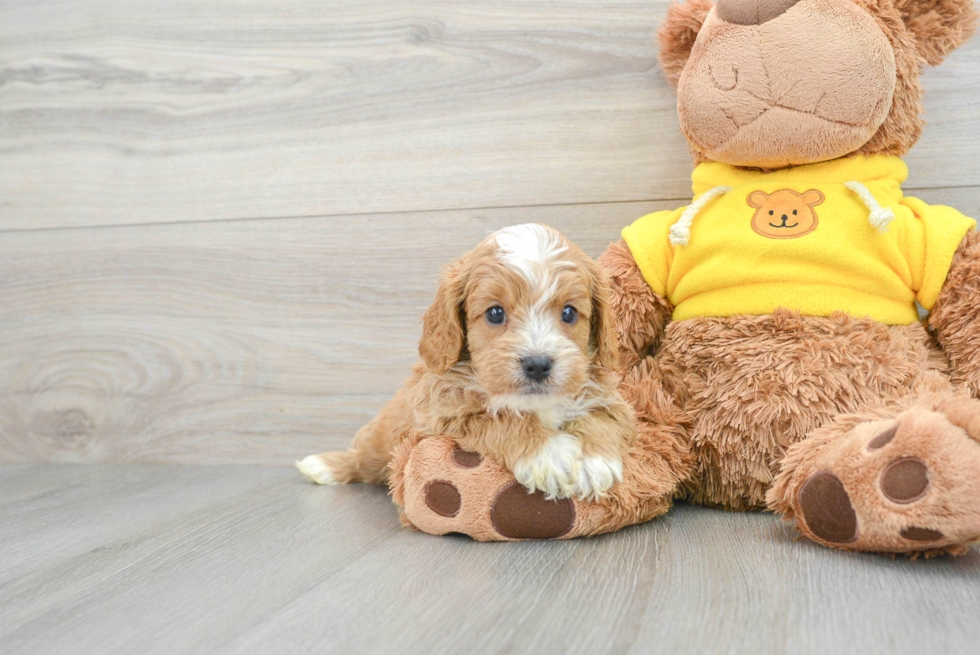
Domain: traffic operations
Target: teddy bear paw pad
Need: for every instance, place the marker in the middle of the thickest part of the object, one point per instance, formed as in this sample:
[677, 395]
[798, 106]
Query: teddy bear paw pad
[521, 515]
[827, 508]
[451, 490]
[905, 480]
[907, 485]
[442, 498]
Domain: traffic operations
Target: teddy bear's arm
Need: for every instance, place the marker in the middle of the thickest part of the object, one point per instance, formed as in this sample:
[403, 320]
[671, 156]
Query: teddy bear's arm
[955, 319]
[641, 315]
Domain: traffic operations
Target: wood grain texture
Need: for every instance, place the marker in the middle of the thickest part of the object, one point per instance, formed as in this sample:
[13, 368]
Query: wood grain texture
[193, 263]
[234, 342]
[221, 220]
[121, 112]
[253, 560]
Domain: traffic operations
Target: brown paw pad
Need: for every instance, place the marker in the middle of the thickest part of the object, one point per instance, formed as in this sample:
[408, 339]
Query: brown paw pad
[905, 480]
[442, 498]
[467, 458]
[519, 515]
[827, 509]
[921, 534]
[883, 438]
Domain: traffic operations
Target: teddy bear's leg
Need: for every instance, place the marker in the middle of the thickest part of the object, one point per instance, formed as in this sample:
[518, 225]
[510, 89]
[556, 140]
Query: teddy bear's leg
[443, 489]
[904, 478]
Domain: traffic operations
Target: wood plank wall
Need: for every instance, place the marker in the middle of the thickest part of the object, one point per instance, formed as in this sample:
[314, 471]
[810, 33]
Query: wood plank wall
[221, 219]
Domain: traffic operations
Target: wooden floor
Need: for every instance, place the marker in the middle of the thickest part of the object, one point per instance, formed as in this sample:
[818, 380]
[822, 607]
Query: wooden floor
[181, 559]
[219, 224]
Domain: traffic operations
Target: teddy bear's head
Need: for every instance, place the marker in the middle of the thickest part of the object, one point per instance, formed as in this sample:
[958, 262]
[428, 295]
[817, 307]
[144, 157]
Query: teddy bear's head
[775, 83]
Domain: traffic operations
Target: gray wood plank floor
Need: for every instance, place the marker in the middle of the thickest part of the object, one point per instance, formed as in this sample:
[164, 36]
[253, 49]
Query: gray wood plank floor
[219, 223]
[174, 559]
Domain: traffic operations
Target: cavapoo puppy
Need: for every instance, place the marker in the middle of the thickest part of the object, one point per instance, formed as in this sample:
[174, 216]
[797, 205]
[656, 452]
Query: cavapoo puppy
[518, 364]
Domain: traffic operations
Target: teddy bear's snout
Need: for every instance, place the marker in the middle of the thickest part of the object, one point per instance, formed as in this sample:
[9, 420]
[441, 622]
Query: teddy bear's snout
[751, 12]
[751, 96]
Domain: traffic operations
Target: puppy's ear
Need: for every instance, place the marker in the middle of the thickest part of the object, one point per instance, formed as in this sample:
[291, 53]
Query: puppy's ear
[444, 325]
[939, 26]
[677, 34]
[602, 323]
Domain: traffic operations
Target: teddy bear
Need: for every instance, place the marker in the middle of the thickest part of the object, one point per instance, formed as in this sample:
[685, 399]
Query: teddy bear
[769, 339]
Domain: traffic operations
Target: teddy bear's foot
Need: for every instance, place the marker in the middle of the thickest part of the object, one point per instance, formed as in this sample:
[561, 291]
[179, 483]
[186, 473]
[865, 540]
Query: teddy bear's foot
[444, 489]
[447, 489]
[908, 484]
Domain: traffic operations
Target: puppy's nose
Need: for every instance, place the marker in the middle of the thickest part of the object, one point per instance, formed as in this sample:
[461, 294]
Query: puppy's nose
[751, 12]
[537, 367]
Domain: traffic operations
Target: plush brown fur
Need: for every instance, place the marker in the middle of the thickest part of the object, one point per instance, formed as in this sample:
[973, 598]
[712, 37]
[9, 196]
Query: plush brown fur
[939, 26]
[655, 464]
[749, 412]
[677, 34]
[903, 126]
[954, 318]
[939, 429]
[777, 378]
[468, 365]
[641, 314]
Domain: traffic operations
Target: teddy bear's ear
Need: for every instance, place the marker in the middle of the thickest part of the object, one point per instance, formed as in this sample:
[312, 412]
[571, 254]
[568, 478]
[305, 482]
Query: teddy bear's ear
[813, 197]
[757, 199]
[939, 26]
[677, 34]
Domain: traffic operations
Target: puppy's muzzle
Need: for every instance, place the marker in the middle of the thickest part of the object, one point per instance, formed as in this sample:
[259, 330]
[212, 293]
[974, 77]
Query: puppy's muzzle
[537, 367]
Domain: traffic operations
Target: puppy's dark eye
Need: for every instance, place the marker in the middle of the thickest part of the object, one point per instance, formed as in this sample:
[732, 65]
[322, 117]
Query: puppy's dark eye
[794, 212]
[770, 212]
[569, 314]
[495, 315]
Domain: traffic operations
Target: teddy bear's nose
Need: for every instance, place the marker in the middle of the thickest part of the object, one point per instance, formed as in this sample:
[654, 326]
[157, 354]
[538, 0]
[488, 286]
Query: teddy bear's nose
[751, 12]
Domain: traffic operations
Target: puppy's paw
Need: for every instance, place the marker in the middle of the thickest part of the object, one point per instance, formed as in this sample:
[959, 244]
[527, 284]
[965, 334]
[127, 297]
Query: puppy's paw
[315, 467]
[597, 476]
[555, 469]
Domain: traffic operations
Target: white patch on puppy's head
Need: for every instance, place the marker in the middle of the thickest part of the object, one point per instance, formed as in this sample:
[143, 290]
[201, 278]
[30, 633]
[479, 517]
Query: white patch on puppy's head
[529, 249]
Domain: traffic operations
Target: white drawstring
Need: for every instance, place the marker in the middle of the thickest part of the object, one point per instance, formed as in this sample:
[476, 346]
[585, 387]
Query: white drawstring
[880, 216]
[680, 232]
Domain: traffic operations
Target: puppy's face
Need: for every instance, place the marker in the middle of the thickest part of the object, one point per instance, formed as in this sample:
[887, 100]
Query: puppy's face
[528, 311]
[530, 308]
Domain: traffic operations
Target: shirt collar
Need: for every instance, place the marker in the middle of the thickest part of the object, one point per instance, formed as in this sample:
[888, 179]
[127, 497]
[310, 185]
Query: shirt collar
[860, 168]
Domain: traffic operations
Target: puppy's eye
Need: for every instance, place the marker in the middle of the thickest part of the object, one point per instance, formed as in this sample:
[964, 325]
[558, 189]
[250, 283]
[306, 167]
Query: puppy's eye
[495, 315]
[794, 212]
[569, 314]
[770, 212]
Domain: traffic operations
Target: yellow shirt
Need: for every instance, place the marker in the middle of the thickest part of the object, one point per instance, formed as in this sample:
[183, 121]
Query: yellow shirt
[799, 238]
